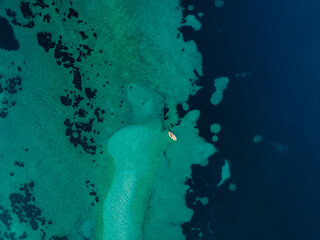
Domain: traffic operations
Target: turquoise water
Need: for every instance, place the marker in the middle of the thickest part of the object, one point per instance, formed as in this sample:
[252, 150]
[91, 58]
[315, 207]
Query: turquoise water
[89, 91]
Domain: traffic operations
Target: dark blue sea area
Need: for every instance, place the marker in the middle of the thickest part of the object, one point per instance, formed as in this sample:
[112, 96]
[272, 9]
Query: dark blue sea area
[277, 45]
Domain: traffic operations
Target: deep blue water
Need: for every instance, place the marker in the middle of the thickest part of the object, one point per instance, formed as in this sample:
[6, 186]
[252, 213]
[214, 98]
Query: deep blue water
[278, 191]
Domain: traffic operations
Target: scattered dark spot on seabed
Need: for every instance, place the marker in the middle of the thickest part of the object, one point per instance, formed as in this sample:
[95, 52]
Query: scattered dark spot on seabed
[90, 93]
[75, 131]
[47, 18]
[65, 100]
[45, 41]
[9, 87]
[97, 113]
[25, 10]
[40, 3]
[5, 218]
[23, 206]
[11, 14]
[72, 13]
[18, 164]
[92, 192]
[80, 133]
[83, 35]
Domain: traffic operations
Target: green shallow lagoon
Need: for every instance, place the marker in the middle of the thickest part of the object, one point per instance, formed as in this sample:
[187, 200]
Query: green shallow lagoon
[87, 103]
